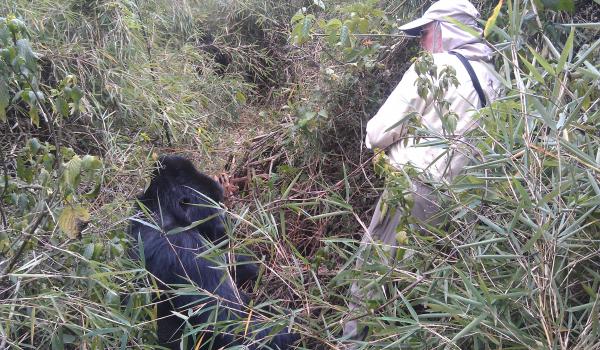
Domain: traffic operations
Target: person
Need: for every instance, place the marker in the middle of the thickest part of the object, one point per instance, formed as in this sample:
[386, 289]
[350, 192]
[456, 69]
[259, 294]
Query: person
[450, 45]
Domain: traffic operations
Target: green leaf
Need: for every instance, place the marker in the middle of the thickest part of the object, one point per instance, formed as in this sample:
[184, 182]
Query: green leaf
[24, 172]
[307, 25]
[57, 340]
[34, 115]
[61, 107]
[297, 18]
[301, 31]
[583, 25]
[363, 25]
[566, 51]
[72, 172]
[34, 145]
[26, 53]
[93, 193]
[492, 225]
[4, 34]
[15, 25]
[345, 36]
[240, 97]
[4, 100]
[583, 56]
[578, 154]
[332, 29]
[73, 220]
[541, 109]
[91, 163]
[532, 70]
[476, 321]
[542, 61]
[491, 22]
[76, 95]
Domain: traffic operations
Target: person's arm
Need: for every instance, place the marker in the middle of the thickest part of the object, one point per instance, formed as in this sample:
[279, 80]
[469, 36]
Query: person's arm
[398, 106]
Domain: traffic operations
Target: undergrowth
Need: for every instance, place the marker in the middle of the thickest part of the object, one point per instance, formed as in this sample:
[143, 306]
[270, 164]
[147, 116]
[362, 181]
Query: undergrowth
[273, 97]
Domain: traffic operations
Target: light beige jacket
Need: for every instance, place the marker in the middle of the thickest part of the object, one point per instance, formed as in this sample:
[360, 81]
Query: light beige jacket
[446, 159]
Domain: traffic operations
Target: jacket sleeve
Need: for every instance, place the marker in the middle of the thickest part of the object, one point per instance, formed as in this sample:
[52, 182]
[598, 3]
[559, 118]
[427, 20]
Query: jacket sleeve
[401, 102]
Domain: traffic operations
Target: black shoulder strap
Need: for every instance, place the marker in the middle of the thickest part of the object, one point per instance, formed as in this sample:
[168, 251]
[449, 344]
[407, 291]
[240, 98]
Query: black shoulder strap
[473, 76]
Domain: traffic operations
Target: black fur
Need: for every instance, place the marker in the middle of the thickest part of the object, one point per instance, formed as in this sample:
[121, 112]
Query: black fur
[179, 197]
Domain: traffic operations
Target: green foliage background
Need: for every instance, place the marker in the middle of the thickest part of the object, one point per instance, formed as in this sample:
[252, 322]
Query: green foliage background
[274, 96]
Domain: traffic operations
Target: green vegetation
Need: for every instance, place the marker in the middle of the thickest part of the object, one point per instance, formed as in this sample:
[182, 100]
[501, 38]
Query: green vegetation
[273, 98]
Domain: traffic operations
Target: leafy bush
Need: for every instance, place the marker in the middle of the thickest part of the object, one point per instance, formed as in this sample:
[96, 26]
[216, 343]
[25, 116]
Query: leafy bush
[56, 284]
[518, 265]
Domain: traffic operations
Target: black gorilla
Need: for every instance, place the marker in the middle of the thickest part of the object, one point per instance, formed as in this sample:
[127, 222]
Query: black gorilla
[182, 203]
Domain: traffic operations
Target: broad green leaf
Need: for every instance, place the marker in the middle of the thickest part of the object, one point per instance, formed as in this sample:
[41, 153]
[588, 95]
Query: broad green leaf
[90, 163]
[306, 26]
[296, 36]
[34, 145]
[332, 29]
[26, 53]
[334, 23]
[363, 25]
[72, 172]
[345, 36]
[44, 177]
[93, 193]
[297, 18]
[491, 22]
[57, 340]
[72, 220]
[76, 95]
[24, 172]
[301, 31]
[61, 107]
[15, 25]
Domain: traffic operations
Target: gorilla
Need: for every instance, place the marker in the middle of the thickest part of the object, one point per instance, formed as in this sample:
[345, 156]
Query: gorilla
[182, 222]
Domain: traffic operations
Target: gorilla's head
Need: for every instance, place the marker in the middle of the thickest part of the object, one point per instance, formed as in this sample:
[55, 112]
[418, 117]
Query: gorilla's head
[183, 196]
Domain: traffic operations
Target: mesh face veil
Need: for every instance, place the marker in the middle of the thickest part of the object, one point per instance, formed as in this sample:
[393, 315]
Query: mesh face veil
[453, 37]
[437, 37]
[432, 38]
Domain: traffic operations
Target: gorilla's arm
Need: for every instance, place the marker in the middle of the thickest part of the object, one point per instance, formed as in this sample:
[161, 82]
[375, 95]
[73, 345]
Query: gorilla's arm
[244, 270]
[216, 298]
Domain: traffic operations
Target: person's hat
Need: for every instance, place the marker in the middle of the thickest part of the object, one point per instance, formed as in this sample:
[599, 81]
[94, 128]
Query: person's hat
[461, 10]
